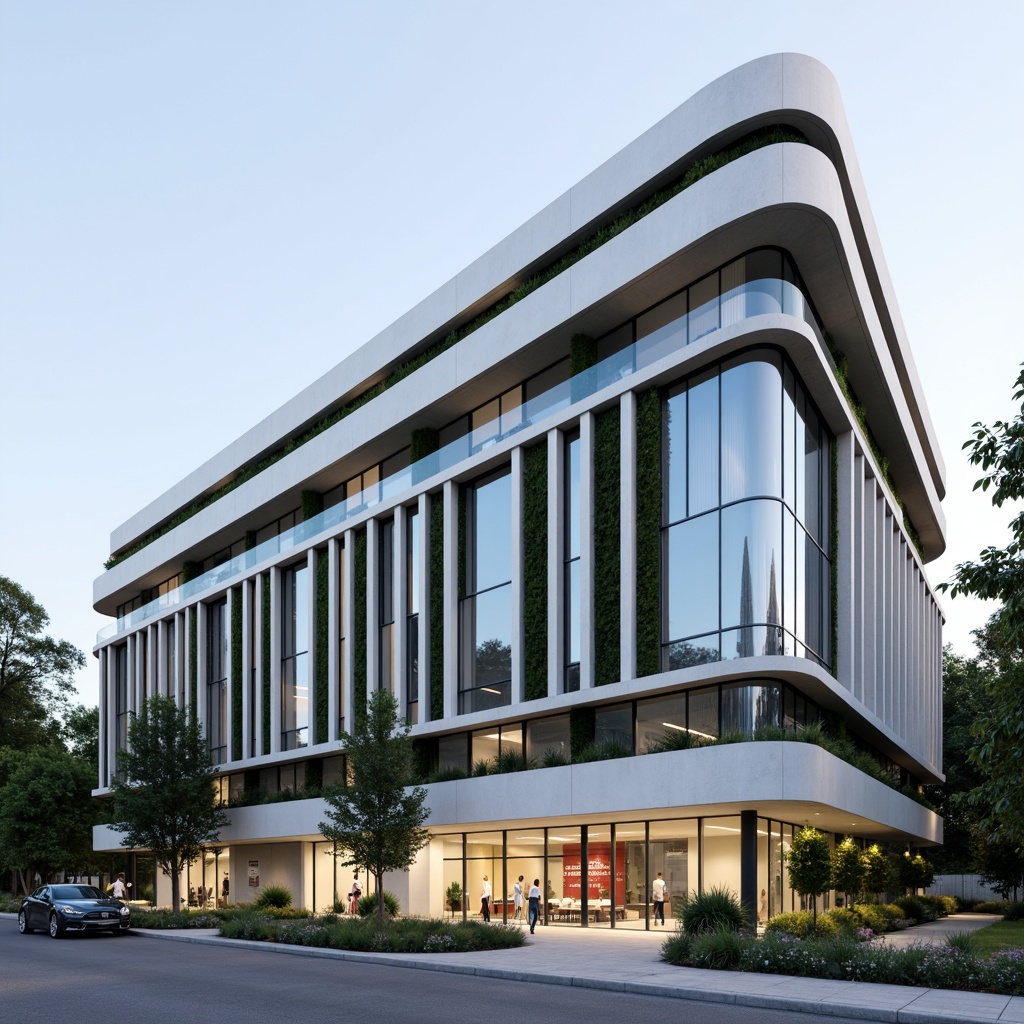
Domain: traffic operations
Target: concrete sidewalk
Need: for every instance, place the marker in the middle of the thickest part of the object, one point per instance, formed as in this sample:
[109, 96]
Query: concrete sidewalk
[628, 961]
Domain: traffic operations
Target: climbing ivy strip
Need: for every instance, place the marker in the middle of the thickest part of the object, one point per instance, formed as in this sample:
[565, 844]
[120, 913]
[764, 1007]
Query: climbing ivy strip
[607, 555]
[648, 532]
[535, 570]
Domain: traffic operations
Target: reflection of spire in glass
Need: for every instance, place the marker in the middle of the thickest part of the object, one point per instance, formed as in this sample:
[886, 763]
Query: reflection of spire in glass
[745, 644]
[773, 643]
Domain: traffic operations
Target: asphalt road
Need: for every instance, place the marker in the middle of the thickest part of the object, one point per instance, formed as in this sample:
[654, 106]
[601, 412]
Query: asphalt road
[101, 978]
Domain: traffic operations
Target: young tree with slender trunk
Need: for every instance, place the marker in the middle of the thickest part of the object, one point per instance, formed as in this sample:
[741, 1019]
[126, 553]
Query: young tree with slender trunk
[164, 795]
[810, 865]
[378, 819]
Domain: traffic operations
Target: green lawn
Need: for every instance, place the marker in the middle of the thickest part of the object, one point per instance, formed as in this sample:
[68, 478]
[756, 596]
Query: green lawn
[1001, 935]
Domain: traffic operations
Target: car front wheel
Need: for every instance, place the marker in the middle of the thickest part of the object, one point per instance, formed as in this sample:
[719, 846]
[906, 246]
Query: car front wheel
[56, 927]
[23, 925]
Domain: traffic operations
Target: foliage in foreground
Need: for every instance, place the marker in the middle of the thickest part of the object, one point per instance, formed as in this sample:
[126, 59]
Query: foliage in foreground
[143, 917]
[714, 909]
[947, 967]
[402, 936]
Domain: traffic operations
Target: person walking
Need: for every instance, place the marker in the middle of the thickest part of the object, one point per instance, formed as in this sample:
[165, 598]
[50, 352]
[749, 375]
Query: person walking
[517, 899]
[485, 901]
[658, 889]
[534, 911]
[119, 890]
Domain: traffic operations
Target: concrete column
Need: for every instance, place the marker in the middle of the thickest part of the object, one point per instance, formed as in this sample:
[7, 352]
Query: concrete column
[400, 591]
[135, 668]
[586, 550]
[248, 636]
[161, 658]
[333, 640]
[348, 555]
[203, 673]
[748, 859]
[310, 681]
[518, 689]
[423, 621]
[186, 655]
[258, 620]
[451, 599]
[627, 536]
[110, 683]
[372, 606]
[105, 717]
[556, 562]
[152, 659]
[229, 610]
[846, 568]
[275, 660]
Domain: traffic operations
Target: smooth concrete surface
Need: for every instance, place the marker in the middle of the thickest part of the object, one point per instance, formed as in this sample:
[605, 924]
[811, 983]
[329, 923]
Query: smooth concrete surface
[629, 961]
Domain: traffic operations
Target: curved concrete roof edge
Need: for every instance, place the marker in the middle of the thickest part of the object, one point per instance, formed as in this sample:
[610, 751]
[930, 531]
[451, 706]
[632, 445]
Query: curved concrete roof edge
[756, 90]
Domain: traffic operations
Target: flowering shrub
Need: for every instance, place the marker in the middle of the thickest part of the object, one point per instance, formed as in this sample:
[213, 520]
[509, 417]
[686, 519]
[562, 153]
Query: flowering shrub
[852, 960]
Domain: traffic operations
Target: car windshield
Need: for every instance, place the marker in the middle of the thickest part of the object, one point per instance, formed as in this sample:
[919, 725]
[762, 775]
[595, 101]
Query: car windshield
[77, 892]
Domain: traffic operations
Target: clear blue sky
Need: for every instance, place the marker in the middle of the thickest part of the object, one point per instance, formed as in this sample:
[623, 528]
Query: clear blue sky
[204, 206]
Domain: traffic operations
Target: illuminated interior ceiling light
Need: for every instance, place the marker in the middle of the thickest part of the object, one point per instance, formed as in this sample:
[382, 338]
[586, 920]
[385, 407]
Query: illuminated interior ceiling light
[488, 689]
[692, 732]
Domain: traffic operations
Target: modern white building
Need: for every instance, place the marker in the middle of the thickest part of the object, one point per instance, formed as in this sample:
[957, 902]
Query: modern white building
[655, 471]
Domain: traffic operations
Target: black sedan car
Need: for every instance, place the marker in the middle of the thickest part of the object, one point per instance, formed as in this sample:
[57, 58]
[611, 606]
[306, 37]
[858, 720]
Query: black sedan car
[72, 908]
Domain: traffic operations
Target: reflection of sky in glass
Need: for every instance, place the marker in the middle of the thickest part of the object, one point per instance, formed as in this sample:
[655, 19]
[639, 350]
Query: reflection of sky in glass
[703, 446]
[693, 577]
[493, 623]
[675, 456]
[492, 533]
[759, 524]
[751, 431]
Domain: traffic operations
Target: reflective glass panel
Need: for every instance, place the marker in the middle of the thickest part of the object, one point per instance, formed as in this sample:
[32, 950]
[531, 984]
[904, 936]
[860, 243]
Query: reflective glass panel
[692, 577]
[674, 455]
[545, 735]
[751, 430]
[702, 446]
[658, 717]
[751, 566]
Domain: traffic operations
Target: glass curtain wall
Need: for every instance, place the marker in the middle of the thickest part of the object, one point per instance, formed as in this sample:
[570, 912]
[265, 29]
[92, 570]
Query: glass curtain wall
[217, 680]
[295, 657]
[485, 620]
[745, 517]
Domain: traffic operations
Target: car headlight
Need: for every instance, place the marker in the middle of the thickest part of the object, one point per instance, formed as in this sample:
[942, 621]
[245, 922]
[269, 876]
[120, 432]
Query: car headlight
[71, 910]
[125, 911]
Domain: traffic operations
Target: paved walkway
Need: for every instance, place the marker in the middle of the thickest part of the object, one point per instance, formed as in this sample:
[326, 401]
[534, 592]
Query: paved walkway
[628, 961]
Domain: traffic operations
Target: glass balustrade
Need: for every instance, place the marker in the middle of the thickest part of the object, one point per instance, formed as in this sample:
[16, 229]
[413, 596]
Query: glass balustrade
[753, 298]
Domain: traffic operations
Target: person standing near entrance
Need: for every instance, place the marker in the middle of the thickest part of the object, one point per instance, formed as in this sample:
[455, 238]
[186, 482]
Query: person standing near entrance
[119, 890]
[485, 901]
[658, 890]
[353, 896]
[534, 911]
[517, 899]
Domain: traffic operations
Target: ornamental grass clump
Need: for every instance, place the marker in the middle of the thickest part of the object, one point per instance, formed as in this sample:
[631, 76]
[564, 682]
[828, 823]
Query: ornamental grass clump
[715, 909]
[276, 896]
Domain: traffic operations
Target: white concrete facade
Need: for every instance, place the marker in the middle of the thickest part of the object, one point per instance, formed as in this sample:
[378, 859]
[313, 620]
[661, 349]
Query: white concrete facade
[368, 611]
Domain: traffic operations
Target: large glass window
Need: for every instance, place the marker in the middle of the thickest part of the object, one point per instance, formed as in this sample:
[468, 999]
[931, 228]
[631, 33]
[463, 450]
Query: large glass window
[295, 657]
[217, 680]
[746, 501]
[485, 671]
[548, 737]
